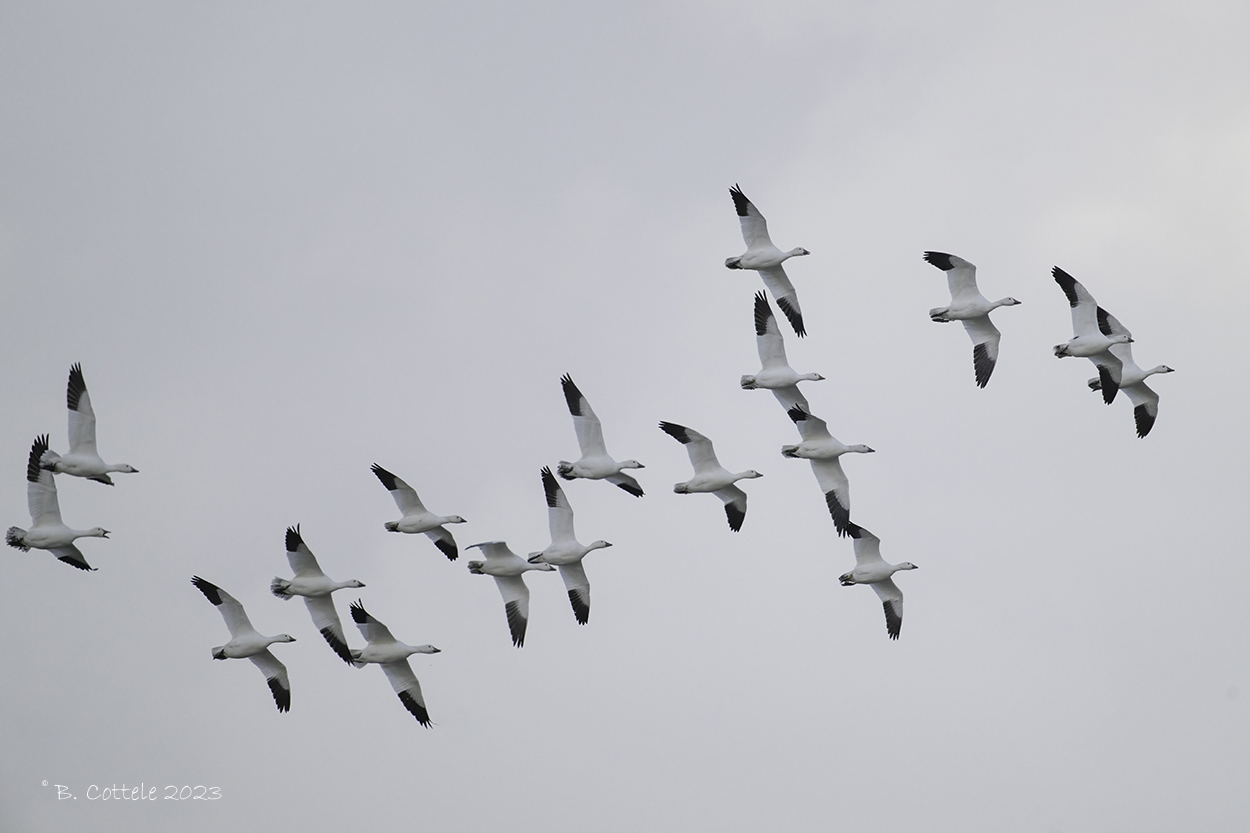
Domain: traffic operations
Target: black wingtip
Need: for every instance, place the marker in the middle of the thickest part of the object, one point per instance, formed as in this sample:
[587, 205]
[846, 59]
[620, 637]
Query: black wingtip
[841, 515]
[448, 548]
[551, 487]
[281, 696]
[76, 387]
[388, 479]
[793, 316]
[735, 516]
[763, 312]
[416, 709]
[572, 395]
[741, 203]
[1144, 419]
[516, 623]
[1107, 383]
[211, 591]
[893, 622]
[293, 539]
[677, 432]
[1104, 326]
[34, 462]
[338, 646]
[982, 364]
[941, 260]
[636, 491]
[797, 414]
[1067, 283]
[854, 530]
[359, 615]
[73, 562]
[581, 609]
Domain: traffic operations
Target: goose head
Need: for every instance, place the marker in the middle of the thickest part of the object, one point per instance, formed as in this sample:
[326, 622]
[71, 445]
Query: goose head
[351, 583]
[1121, 338]
[632, 464]
[124, 468]
[749, 474]
[1006, 302]
[598, 545]
[797, 252]
[455, 519]
[906, 565]
[282, 637]
[96, 532]
[860, 448]
[811, 377]
[426, 649]
[1162, 368]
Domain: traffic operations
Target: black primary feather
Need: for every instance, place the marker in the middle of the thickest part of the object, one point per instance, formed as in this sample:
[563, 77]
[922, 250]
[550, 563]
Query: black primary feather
[37, 450]
[636, 491]
[76, 388]
[940, 259]
[293, 539]
[763, 312]
[1108, 384]
[735, 515]
[1067, 283]
[388, 479]
[448, 548]
[211, 591]
[982, 364]
[840, 514]
[551, 487]
[793, 316]
[580, 608]
[516, 623]
[1145, 420]
[280, 695]
[359, 615]
[1104, 326]
[418, 711]
[893, 622]
[338, 645]
[677, 432]
[741, 203]
[572, 395]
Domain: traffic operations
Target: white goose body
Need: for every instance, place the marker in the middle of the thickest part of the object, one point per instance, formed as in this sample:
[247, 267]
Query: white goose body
[822, 449]
[82, 459]
[246, 643]
[709, 474]
[508, 569]
[972, 308]
[763, 257]
[872, 570]
[416, 518]
[595, 462]
[387, 651]
[565, 551]
[47, 530]
[775, 373]
[316, 587]
[1133, 381]
[1093, 338]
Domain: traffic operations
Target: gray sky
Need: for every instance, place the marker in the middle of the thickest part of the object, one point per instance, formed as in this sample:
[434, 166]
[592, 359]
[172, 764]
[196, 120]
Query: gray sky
[289, 240]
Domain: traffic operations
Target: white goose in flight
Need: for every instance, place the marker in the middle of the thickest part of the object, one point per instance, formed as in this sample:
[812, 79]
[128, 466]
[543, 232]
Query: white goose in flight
[316, 588]
[246, 643]
[709, 475]
[565, 552]
[82, 459]
[47, 531]
[1093, 337]
[871, 569]
[596, 463]
[416, 517]
[392, 655]
[775, 373]
[822, 449]
[1133, 381]
[971, 307]
[507, 567]
[766, 259]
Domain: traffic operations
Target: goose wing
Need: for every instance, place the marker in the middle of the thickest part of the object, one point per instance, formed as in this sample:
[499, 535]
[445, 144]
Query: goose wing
[699, 447]
[1123, 352]
[961, 276]
[735, 505]
[374, 632]
[405, 496]
[81, 415]
[754, 226]
[811, 428]
[787, 298]
[409, 690]
[578, 587]
[1145, 406]
[985, 337]
[892, 601]
[45, 509]
[791, 397]
[867, 546]
[768, 339]
[443, 540]
[230, 609]
[301, 559]
[585, 423]
[276, 676]
[72, 556]
[837, 491]
[1085, 310]
[516, 605]
[559, 511]
[326, 619]
[626, 482]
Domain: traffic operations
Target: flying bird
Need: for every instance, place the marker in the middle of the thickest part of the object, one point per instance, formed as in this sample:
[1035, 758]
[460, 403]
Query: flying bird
[822, 450]
[775, 373]
[82, 459]
[709, 475]
[1093, 336]
[565, 552]
[507, 568]
[766, 259]
[596, 463]
[316, 588]
[245, 642]
[47, 531]
[416, 517]
[1133, 381]
[871, 569]
[971, 307]
[392, 655]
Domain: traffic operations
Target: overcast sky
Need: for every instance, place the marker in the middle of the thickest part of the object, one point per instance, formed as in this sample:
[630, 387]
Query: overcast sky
[289, 240]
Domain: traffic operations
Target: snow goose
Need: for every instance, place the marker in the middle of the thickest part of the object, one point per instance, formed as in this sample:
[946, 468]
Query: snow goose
[392, 655]
[1133, 381]
[766, 259]
[709, 475]
[595, 463]
[507, 567]
[245, 642]
[1092, 337]
[971, 307]
[47, 532]
[775, 373]
[871, 569]
[416, 517]
[316, 588]
[565, 552]
[82, 459]
[822, 449]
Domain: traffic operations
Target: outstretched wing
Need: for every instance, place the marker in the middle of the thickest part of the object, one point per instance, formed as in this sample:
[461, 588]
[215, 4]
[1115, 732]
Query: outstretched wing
[81, 415]
[301, 559]
[961, 276]
[699, 447]
[735, 505]
[754, 226]
[585, 423]
[892, 601]
[276, 676]
[409, 690]
[228, 606]
[578, 587]
[41, 499]
[985, 337]
[516, 605]
[559, 511]
[371, 629]
[326, 619]
[405, 496]
[787, 298]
